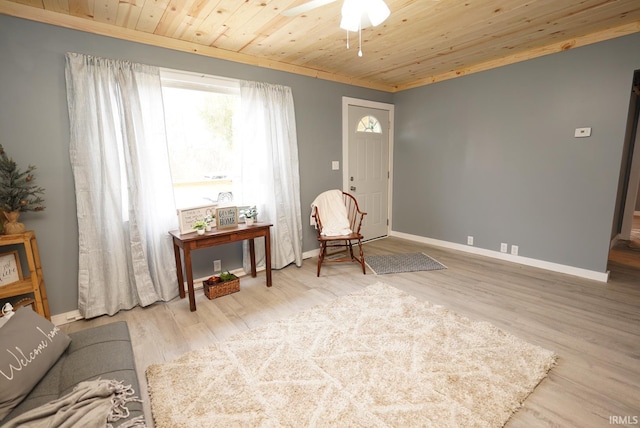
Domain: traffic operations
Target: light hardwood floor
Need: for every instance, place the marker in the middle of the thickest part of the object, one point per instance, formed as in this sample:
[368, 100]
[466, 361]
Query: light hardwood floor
[593, 327]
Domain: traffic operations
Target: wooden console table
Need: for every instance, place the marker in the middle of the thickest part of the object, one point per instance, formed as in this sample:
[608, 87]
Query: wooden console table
[193, 241]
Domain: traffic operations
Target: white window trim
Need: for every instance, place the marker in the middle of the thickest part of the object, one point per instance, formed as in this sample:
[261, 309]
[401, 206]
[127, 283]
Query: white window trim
[199, 81]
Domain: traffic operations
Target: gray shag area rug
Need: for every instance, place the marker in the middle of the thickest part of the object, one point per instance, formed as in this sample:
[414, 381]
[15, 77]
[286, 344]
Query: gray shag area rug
[375, 358]
[398, 263]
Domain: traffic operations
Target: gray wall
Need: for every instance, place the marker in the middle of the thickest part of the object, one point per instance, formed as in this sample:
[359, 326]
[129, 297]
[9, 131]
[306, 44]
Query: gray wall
[493, 154]
[34, 124]
[490, 155]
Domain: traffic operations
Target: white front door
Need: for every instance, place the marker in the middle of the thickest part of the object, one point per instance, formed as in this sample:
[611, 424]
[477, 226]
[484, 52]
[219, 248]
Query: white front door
[367, 163]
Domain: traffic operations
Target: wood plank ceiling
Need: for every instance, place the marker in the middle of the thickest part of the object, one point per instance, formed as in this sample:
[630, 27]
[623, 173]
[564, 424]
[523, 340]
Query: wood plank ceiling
[423, 41]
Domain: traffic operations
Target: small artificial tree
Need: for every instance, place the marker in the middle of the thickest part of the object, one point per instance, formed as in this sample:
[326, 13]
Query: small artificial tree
[18, 192]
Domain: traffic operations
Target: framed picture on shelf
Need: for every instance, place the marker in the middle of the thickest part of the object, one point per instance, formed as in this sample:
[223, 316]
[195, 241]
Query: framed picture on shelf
[227, 217]
[10, 270]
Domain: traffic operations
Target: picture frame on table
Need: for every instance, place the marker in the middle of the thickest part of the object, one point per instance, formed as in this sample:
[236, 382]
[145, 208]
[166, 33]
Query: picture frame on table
[226, 217]
[188, 216]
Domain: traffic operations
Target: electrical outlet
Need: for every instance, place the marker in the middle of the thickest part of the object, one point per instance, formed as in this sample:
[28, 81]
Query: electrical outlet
[503, 247]
[514, 250]
[469, 240]
[217, 266]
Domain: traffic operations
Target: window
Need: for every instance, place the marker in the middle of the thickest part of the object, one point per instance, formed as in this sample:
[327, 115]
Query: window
[369, 124]
[201, 124]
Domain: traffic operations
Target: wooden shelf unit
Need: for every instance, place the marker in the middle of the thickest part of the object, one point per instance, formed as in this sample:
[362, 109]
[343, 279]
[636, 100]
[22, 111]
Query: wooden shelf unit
[34, 283]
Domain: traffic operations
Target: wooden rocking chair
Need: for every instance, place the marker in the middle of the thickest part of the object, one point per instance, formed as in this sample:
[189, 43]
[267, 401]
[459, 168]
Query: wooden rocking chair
[346, 242]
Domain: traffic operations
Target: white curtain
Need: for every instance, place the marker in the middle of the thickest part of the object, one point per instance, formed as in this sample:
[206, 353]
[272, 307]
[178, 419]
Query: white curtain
[270, 174]
[123, 185]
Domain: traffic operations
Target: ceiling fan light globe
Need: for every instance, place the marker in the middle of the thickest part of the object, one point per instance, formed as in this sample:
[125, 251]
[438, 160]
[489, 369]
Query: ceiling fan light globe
[349, 24]
[377, 12]
[358, 14]
[351, 15]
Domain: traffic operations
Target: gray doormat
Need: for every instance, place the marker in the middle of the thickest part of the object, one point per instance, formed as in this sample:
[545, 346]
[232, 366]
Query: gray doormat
[398, 263]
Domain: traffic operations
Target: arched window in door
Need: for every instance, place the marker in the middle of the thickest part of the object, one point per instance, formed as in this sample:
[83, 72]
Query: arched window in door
[369, 124]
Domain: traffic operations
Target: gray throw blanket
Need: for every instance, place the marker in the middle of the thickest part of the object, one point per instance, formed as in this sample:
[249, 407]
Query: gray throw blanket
[95, 403]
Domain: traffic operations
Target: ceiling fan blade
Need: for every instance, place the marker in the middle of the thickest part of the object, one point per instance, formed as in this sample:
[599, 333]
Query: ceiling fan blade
[305, 7]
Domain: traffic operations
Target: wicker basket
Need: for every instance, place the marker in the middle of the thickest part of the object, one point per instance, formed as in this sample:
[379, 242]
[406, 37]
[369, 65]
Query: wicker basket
[213, 289]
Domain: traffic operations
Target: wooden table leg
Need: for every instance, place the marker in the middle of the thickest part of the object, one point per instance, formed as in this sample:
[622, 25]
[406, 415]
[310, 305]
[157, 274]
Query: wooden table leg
[252, 254]
[42, 289]
[267, 255]
[176, 253]
[187, 268]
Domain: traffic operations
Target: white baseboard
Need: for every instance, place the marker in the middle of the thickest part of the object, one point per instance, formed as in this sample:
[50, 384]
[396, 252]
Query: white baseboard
[68, 317]
[72, 316]
[310, 254]
[555, 267]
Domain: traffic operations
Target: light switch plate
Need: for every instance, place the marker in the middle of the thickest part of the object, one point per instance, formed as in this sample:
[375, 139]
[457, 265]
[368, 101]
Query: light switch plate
[582, 132]
[335, 165]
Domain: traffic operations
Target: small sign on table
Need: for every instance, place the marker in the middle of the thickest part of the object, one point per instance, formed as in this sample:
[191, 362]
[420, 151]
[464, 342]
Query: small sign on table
[227, 217]
[187, 217]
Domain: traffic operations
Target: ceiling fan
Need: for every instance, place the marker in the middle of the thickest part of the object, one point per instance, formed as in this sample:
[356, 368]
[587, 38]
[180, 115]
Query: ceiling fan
[306, 7]
[356, 14]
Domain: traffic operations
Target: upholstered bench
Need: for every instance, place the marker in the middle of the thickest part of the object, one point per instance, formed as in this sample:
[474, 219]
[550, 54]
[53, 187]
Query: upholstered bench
[100, 352]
